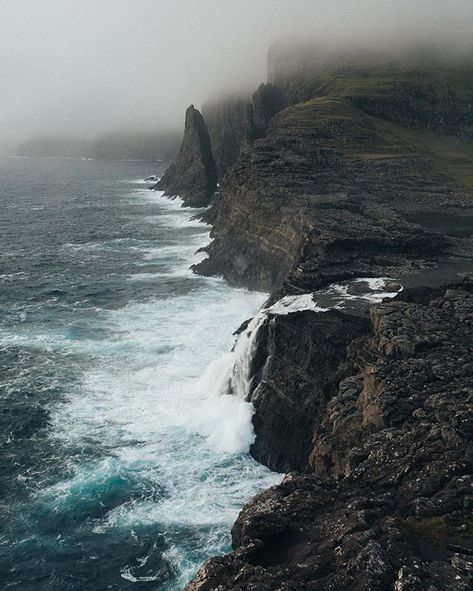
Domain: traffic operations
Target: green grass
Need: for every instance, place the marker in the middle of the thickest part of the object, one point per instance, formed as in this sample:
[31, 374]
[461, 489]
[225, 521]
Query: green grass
[362, 136]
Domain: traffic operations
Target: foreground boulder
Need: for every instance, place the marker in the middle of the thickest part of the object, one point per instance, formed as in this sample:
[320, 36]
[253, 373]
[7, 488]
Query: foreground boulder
[387, 499]
[193, 175]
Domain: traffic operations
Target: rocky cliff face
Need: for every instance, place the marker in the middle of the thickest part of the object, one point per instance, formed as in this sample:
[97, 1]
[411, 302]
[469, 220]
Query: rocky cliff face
[387, 501]
[302, 357]
[193, 175]
[324, 189]
[352, 168]
[266, 102]
[234, 123]
[226, 121]
[319, 199]
[422, 87]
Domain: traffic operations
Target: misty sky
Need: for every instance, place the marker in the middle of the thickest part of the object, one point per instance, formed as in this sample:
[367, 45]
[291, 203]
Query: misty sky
[83, 67]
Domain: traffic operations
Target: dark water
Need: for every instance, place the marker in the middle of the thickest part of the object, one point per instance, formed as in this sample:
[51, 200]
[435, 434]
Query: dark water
[120, 466]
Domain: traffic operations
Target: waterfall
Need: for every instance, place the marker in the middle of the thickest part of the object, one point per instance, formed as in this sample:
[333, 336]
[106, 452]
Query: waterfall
[227, 420]
[244, 350]
[240, 379]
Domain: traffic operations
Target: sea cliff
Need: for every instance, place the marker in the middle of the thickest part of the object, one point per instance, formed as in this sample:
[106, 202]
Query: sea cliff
[193, 175]
[344, 167]
[381, 437]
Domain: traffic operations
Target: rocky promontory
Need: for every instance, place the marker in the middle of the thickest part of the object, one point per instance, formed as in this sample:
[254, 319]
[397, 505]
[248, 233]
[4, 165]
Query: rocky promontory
[345, 167]
[385, 500]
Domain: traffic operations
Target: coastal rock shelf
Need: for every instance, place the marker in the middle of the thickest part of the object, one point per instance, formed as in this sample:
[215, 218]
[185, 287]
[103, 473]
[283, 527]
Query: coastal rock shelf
[385, 501]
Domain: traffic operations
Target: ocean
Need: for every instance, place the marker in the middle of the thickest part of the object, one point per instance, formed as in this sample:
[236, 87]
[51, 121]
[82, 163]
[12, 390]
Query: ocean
[123, 463]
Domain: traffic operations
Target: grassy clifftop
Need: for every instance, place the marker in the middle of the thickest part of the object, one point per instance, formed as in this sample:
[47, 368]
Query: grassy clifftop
[359, 136]
[420, 102]
[346, 182]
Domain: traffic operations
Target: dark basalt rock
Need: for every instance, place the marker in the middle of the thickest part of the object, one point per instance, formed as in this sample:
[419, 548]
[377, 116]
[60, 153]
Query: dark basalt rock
[193, 175]
[354, 167]
[302, 357]
[226, 122]
[267, 102]
[386, 502]
[317, 200]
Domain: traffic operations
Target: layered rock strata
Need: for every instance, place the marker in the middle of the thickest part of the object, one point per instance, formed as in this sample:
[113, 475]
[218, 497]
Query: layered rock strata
[344, 168]
[300, 357]
[318, 200]
[266, 102]
[226, 119]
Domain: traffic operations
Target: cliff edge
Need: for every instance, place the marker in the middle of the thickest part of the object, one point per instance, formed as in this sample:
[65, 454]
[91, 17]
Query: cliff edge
[386, 499]
[352, 167]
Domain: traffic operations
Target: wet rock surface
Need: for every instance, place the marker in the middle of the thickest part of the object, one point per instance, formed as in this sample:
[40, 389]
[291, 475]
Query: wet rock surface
[344, 168]
[386, 500]
[301, 356]
[193, 175]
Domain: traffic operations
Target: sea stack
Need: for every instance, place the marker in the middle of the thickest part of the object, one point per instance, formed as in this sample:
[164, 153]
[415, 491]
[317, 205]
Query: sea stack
[193, 175]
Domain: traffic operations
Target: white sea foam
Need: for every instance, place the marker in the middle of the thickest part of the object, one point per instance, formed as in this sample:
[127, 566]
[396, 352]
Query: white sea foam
[140, 181]
[14, 276]
[296, 303]
[156, 400]
[375, 290]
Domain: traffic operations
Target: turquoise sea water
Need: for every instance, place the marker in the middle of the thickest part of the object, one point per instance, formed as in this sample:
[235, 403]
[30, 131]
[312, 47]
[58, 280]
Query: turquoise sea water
[121, 464]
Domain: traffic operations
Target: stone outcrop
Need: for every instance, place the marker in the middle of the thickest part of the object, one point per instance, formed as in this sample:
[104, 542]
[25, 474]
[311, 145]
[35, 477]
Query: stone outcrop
[324, 189]
[318, 199]
[386, 502]
[422, 87]
[302, 357]
[350, 167]
[193, 175]
[226, 122]
[235, 122]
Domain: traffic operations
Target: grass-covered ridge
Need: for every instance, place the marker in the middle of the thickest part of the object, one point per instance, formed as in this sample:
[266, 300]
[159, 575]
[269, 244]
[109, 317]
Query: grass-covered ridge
[417, 104]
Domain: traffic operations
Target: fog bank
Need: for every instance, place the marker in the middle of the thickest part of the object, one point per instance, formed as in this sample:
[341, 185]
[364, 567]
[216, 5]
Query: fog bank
[85, 68]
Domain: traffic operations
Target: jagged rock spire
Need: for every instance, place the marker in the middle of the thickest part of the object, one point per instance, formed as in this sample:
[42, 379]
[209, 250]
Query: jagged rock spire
[193, 175]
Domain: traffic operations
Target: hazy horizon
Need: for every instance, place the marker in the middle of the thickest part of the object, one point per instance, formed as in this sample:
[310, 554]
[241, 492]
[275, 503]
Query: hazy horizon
[85, 69]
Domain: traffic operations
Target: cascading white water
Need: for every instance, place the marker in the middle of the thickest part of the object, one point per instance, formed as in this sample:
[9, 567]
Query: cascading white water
[243, 352]
[244, 349]
[237, 374]
[150, 406]
[137, 459]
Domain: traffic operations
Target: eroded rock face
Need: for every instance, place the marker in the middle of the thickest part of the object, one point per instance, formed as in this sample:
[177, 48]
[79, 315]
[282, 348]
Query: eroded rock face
[303, 357]
[266, 102]
[312, 203]
[193, 175]
[387, 503]
[226, 121]
[417, 379]
[376, 415]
